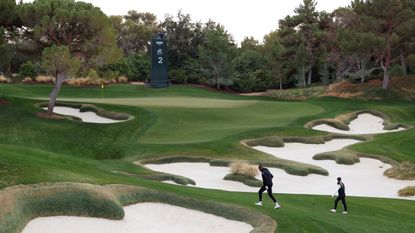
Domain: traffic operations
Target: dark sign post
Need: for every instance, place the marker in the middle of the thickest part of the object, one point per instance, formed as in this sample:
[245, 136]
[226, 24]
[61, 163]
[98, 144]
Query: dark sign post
[159, 77]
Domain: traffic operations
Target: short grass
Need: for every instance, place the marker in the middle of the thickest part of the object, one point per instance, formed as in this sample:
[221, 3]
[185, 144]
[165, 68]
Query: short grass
[36, 150]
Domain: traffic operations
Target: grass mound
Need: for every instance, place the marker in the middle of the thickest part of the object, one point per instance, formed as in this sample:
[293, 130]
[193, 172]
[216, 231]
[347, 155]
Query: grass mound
[407, 192]
[345, 157]
[247, 180]
[403, 171]
[272, 141]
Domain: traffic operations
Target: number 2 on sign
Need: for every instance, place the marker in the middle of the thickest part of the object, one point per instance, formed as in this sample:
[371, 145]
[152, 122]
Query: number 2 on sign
[160, 60]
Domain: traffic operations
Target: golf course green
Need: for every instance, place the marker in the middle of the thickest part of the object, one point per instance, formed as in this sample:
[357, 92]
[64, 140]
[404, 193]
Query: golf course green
[184, 123]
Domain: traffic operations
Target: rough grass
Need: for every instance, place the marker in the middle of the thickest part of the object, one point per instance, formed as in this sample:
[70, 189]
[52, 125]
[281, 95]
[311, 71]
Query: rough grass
[23, 203]
[407, 192]
[243, 168]
[403, 171]
[293, 94]
[4, 79]
[247, 180]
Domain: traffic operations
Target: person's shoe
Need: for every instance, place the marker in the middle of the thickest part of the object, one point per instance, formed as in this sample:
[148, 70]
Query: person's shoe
[333, 210]
[344, 212]
[277, 206]
[259, 203]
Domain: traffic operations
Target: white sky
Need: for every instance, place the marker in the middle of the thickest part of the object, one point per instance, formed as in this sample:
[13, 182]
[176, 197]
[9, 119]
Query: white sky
[240, 18]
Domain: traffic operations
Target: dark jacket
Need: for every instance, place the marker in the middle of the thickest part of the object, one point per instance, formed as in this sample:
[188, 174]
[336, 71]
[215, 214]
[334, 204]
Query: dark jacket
[341, 191]
[266, 177]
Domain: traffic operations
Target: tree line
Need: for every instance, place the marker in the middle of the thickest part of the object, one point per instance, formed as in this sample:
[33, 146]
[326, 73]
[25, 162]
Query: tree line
[64, 38]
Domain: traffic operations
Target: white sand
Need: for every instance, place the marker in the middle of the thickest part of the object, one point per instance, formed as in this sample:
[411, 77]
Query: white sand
[363, 124]
[362, 179]
[144, 217]
[90, 117]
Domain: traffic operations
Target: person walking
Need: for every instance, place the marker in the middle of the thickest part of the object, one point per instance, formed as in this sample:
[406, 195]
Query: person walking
[341, 196]
[266, 185]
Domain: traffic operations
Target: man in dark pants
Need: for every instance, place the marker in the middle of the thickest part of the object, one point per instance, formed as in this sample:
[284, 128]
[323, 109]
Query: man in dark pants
[342, 196]
[266, 185]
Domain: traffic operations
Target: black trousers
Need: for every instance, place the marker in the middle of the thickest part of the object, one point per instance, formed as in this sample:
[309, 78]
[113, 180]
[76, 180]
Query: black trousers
[269, 189]
[343, 199]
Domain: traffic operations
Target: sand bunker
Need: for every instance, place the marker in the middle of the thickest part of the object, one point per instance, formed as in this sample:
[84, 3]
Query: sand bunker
[90, 117]
[362, 179]
[143, 217]
[364, 124]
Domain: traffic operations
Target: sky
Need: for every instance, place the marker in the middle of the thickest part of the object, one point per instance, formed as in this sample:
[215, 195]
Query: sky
[241, 18]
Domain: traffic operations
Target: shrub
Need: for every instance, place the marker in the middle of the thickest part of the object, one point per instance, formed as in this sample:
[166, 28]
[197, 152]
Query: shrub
[177, 76]
[92, 74]
[28, 69]
[243, 168]
[4, 79]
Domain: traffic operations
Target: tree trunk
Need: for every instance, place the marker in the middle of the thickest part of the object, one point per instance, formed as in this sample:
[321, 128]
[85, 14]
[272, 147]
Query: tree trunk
[303, 75]
[385, 78]
[388, 53]
[54, 95]
[280, 84]
[362, 71]
[403, 65]
[310, 73]
[217, 82]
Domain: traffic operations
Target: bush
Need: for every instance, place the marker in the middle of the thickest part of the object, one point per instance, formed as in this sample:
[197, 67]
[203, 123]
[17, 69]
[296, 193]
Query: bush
[411, 63]
[92, 74]
[177, 76]
[135, 67]
[28, 69]
[251, 82]
[243, 168]
[109, 74]
[396, 70]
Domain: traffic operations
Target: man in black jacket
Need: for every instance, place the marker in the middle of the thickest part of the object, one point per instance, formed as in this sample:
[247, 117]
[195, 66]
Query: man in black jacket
[266, 185]
[341, 197]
